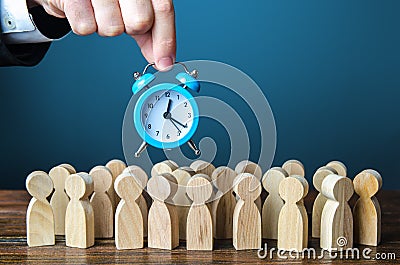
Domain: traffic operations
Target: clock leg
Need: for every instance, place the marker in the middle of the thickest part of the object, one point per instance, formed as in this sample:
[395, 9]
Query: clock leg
[193, 146]
[142, 147]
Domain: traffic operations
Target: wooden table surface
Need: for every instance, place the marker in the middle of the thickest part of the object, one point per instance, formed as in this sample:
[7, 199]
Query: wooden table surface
[13, 247]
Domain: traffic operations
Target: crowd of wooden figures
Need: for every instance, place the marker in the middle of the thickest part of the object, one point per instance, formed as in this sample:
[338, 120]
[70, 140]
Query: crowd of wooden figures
[201, 203]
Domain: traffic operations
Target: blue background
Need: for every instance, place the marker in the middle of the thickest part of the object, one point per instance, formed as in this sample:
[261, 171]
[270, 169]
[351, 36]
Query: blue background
[330, 70]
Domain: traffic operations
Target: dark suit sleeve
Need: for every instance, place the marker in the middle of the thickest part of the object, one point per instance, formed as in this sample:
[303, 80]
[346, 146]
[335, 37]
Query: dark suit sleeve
[32, 54]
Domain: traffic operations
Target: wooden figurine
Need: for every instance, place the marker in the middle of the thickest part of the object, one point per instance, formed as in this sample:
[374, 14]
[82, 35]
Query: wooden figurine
[336, 218]
[247, 166]
[69, 167]
[163, 220]
[202, 167]
[181, 201]
[199, 229]
[101, 202]
[339, 167]
[116, 167]
[166, 166]
[141, 176]
[294, 167]
[273, 203]
[224, 205]
[39, 216]
[129, 223]
[246, 217]
[59, 200]
[293, 220]
[79, 217]
[366, 211]
[320, 200]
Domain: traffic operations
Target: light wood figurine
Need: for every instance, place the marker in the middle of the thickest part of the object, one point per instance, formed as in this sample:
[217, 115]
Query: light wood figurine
[340, 168]
[293, 220]
[294, 167]
[101, 202]
[129, 223]
[163, 223]
[367, 211]
[224, 205]
[141, 176]
[247, 166]
[273, 203]
[320, 200]
[203, 167]
[116, 167]
[166, 166]
[181, 201]
[336, 218]
[199, 230]
[247, 217]
[59, 200]
[39, 215]
[79, 217]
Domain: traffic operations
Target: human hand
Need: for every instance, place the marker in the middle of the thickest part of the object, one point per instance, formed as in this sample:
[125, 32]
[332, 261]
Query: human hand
[150, 22]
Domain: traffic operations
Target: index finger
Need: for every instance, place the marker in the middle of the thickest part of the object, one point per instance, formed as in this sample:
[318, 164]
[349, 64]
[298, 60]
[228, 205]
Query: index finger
[163, 33]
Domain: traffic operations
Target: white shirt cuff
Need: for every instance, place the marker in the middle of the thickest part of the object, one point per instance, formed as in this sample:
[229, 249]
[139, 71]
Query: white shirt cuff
[17, 24]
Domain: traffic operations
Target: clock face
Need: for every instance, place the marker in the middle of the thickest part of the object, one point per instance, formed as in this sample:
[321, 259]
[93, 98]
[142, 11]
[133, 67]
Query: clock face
[167, 115]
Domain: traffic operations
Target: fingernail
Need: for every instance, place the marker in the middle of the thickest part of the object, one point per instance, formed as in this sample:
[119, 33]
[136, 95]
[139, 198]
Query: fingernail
[164, 63]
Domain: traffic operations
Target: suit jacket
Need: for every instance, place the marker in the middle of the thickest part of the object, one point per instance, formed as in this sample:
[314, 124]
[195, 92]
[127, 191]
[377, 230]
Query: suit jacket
[32, 54]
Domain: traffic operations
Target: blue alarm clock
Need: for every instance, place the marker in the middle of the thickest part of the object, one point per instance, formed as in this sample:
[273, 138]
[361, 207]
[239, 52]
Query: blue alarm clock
[166, 115]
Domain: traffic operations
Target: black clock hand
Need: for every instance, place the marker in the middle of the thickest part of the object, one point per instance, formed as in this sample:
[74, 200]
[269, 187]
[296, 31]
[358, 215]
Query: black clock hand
[175, 125]
[169, 106]
[172, 119]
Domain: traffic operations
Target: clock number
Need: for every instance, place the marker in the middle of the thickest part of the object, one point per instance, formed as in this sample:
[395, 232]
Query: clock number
[167, 94]
[157, 98]
[149, 126]
[185, 104]
[168, 136]
[189, 114]
[177, 96]
[150, 105]
[146, 115]
[157, 132]
[179, 133]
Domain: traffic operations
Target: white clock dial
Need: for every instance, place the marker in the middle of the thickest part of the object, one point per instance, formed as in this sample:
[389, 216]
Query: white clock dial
[167, 116]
